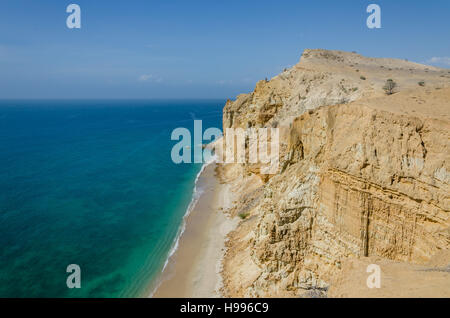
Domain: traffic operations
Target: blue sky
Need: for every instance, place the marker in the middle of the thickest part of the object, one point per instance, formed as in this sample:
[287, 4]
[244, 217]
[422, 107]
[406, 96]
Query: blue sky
[197, 49]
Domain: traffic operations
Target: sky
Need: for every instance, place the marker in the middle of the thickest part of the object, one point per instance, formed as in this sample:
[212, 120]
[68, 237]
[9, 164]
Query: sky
[197, 49]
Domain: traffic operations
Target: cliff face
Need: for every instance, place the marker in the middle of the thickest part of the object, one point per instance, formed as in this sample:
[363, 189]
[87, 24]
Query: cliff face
[361, 174]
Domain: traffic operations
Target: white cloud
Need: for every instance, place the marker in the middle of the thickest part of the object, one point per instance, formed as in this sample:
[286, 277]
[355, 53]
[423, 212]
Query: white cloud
[150, 78]
[444, 60]
[145, 77]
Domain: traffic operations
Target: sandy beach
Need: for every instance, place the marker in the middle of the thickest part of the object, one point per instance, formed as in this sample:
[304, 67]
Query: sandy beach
[194, 269]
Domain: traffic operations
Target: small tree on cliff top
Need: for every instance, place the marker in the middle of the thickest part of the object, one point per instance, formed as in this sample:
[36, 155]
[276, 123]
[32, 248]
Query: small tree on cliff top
[389, 86]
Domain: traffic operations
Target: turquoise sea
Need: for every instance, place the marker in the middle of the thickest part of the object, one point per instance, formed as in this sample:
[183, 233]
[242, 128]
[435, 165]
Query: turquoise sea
[91, 182]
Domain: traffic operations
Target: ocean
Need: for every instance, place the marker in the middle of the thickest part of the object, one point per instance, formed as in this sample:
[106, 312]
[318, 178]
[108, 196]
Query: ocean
[92, 183]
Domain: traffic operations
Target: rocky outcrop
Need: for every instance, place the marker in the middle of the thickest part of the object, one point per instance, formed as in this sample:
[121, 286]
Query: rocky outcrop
[361, 174]
[323, 78]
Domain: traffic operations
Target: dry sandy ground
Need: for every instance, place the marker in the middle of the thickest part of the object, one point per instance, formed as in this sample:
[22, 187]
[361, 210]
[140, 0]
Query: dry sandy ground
[396, 280]
[194, 269]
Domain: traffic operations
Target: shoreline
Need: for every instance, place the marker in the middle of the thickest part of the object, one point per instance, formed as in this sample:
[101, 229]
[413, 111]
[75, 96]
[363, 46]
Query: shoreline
[196, 194]
[193, 268]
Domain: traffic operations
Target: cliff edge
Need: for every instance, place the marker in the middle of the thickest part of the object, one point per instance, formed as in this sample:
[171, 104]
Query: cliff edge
[364, 177]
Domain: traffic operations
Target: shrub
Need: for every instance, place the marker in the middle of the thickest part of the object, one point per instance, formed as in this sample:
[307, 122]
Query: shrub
[243, 215]
[421, 83]
[363, 78]
[389, 86]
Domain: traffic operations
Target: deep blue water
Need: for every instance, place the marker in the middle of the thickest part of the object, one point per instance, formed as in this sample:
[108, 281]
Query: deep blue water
[91, 183]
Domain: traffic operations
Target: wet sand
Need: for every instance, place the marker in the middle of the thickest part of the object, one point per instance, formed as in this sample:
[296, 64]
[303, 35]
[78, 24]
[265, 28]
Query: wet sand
[194, 269]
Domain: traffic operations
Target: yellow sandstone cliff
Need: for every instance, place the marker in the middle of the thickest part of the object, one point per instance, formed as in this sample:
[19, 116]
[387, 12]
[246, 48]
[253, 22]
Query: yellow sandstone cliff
[364, 177]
